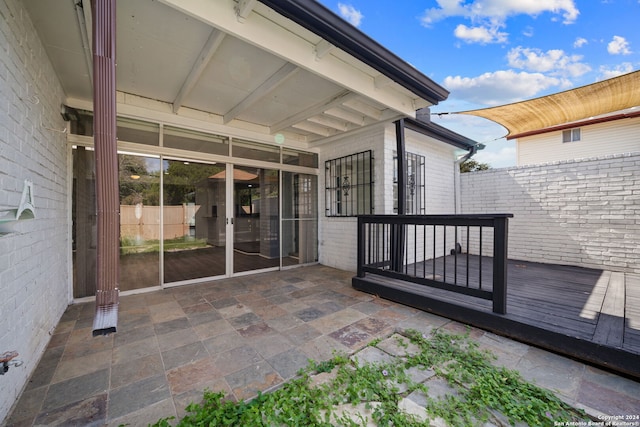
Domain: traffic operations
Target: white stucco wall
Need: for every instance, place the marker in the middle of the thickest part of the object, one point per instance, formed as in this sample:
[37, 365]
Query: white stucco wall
[596, 140]
[583, 212]
[336, 235]
[34, 276]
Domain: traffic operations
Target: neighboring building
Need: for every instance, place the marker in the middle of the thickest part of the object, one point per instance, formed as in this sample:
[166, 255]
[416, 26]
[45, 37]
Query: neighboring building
[607, 134]
[250, 135]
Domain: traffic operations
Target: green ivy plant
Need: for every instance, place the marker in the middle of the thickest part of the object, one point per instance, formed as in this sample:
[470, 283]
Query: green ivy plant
[482, 390]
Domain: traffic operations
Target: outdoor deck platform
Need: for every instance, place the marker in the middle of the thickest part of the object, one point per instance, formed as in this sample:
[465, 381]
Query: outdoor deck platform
[589, 314]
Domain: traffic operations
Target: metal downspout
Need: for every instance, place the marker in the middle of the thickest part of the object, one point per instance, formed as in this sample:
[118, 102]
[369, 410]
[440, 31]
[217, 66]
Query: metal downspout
[456, 178]
[106, 157]
[397, 231]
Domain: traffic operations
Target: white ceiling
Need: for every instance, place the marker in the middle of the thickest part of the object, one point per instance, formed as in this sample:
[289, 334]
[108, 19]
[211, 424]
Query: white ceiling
[247, 66]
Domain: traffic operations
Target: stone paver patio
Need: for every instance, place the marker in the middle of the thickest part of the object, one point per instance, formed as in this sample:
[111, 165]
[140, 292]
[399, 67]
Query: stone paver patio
[248, 334]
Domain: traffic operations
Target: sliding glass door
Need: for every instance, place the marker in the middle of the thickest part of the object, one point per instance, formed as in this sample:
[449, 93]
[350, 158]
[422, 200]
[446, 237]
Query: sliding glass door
[139, 190]
[256, 227]
[183, 221]
[299, 218]
[194, 220]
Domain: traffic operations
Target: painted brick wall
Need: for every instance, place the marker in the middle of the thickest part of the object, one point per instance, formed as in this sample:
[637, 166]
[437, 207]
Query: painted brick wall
[337, 236]
[583, 212]
[34, 276]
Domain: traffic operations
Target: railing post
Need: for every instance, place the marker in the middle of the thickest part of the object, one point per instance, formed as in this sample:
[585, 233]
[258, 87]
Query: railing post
[500, 241]
[361, 247]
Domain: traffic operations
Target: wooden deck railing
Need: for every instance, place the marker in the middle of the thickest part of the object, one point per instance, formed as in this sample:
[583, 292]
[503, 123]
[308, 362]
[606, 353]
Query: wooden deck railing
[441, 251]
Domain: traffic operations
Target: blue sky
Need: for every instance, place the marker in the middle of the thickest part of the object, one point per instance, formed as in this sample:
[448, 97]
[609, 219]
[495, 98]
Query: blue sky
[494, 52]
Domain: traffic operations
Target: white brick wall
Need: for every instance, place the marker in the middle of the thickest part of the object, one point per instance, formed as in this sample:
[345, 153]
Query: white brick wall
[34, 281]
[337, 236]
[583, 212]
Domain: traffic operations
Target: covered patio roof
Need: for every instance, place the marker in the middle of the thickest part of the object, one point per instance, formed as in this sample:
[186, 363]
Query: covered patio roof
[268, 68]
[599, 98]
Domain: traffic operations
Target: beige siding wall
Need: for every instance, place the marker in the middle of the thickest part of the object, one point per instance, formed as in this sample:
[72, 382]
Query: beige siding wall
[602, 139]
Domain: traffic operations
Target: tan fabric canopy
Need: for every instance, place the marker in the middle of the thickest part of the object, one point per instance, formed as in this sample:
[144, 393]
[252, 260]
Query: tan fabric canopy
[603, 97]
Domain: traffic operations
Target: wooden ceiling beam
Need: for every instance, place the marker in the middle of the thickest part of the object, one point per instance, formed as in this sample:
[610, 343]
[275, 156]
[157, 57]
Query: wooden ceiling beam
[268, 86]
[348, 116]
[330, 122]
[208, 50]
[361, 107]
[314, 110]
[314, 128]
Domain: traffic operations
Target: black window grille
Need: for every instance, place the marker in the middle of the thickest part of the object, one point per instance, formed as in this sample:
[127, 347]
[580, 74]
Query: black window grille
[349, 185]
[415, 184]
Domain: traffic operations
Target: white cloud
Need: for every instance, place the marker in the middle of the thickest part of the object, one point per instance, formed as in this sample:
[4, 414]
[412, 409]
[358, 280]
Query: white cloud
[554, 61]
[618, 70]
[528, 31]
[501, 87]
[580, 41]
[350, 14]
[618, 46]
[498, 11]
[482, 35]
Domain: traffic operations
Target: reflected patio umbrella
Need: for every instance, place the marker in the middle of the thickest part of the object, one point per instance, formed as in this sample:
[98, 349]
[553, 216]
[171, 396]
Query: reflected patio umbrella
[238, 175]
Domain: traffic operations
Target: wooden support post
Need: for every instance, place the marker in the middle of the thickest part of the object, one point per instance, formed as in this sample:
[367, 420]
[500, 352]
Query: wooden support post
[106, 157]
[500, 242]
[360, 247]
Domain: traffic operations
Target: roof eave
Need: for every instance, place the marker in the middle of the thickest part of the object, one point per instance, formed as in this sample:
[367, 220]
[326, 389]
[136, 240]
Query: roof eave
[318, 19]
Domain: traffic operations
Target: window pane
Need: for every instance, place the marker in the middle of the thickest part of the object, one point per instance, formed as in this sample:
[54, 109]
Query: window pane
[349, 185]
[300, 158]
[139, 193]
[576, 134]
[82, 124]
[566, 136]
[84, 218]
[137, 131]
[139, 179]
[255, 151]
[184, 139]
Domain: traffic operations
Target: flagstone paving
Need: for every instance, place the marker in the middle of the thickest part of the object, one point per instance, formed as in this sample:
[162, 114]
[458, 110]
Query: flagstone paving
[252, 333]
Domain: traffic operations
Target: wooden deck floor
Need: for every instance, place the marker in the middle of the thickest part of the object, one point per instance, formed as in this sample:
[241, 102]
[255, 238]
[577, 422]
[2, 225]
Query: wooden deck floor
[590, 314]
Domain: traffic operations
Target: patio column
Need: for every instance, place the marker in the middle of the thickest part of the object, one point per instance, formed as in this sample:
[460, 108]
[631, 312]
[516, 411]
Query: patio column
[106, 157]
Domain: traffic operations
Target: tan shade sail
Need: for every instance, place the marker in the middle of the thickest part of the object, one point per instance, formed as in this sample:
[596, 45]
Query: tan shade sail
[603, 97]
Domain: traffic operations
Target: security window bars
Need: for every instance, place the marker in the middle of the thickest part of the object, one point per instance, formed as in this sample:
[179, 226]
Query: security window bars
[571, 135]
[349, 185]
[415, 184]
